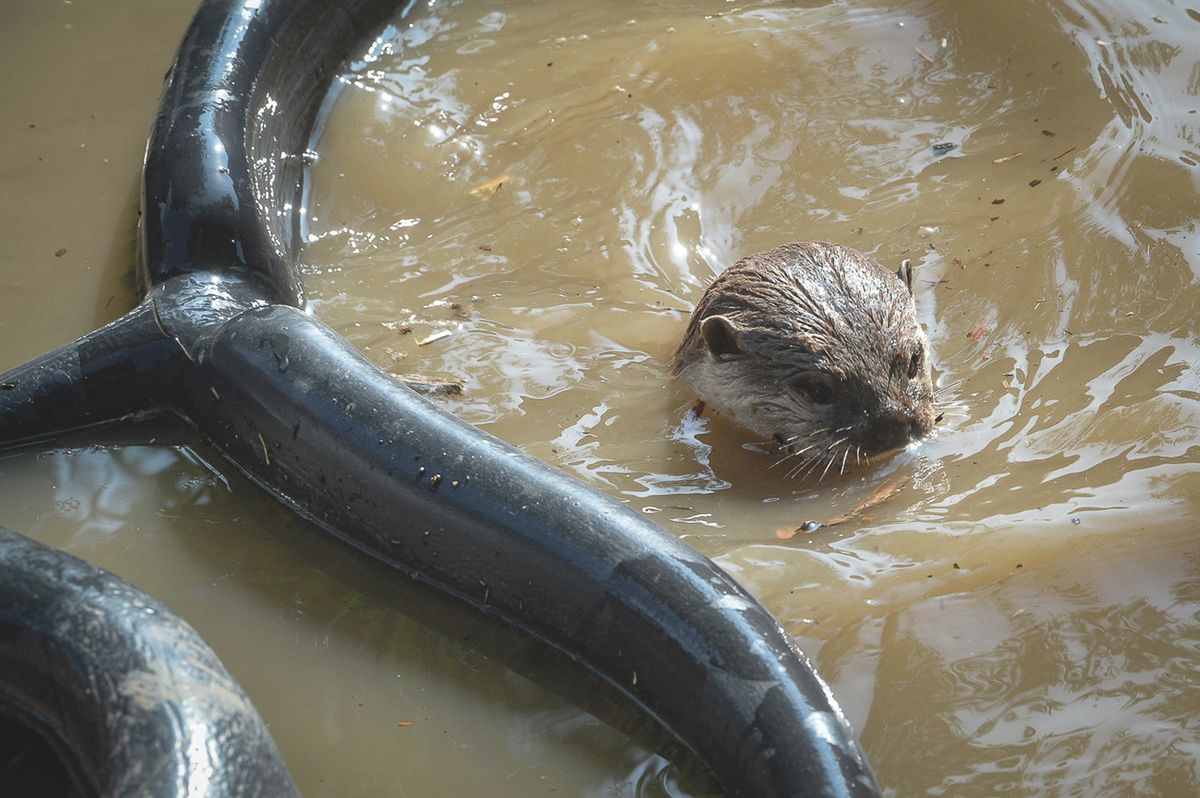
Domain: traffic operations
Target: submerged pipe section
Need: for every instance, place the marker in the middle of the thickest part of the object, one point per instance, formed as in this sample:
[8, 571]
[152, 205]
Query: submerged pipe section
[132, 699]
[221, 340]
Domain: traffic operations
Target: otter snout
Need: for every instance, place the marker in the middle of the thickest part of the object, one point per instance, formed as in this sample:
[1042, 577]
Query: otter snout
[892, 431]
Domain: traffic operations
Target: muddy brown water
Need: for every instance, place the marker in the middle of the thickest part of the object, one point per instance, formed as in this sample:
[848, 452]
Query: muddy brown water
[548, 188]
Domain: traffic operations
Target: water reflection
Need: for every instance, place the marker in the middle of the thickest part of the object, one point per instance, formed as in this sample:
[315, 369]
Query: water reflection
[1038, 687]
[98, 488]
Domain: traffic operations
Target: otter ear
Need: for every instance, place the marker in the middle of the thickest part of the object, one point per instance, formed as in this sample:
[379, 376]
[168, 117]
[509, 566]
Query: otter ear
[905, 274]
[720, 336]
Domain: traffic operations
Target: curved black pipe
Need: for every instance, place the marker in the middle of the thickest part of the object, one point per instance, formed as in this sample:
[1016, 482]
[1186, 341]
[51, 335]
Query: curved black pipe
[129, 695]
[223, 164]
[293, 406]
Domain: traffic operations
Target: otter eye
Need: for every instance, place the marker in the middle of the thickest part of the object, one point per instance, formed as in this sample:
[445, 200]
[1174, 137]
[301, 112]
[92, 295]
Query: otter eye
[816, 389]
[914, 363]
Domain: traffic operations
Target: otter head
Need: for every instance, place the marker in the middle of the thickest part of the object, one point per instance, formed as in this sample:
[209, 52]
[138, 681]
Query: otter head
[817, 347]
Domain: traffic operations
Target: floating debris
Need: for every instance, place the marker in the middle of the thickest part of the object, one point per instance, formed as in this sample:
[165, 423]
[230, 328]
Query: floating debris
[883, 493]
[461, 311]
[436, 335]
[1008, 158]
[490, 187]
[980, 330]
[432, 386]
[266, 453]
[808, 527]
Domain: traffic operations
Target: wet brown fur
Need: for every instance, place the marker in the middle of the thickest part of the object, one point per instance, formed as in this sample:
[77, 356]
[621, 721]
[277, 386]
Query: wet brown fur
[805, 315]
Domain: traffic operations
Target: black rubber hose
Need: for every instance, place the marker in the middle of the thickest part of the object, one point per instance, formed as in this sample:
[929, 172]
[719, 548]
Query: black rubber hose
[292, 405]
[221, 184]
[300, 411]
[126, 367]
[133, 700]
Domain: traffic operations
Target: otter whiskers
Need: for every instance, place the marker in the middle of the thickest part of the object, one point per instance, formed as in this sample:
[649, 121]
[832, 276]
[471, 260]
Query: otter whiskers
[787, 443]
[827, 454]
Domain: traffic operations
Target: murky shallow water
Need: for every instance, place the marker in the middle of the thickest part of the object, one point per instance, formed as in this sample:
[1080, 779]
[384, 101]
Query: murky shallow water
[1020, 619]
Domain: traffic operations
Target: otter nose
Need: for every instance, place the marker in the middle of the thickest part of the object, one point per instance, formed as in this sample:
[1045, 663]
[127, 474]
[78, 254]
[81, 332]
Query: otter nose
[888, 432]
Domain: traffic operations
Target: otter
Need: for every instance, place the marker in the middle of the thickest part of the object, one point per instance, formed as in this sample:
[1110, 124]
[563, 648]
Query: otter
[817, 347]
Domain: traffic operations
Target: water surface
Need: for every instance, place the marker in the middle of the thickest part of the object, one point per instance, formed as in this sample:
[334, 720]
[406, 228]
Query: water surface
[553, 186]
